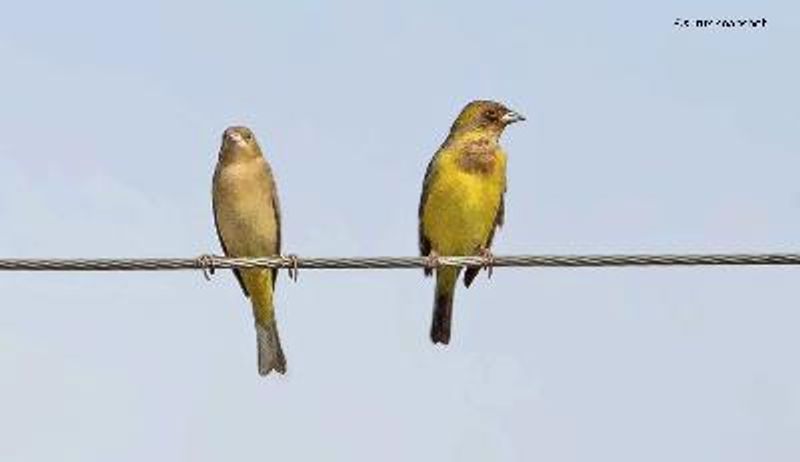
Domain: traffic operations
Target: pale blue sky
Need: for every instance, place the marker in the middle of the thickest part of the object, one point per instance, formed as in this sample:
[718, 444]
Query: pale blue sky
[640, 138]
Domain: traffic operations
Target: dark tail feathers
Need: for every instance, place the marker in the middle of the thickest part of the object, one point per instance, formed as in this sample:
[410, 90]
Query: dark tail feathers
[442, 317]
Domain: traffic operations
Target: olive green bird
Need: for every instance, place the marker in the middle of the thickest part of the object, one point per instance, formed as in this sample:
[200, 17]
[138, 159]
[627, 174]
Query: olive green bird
[248, 221]
[462, 200]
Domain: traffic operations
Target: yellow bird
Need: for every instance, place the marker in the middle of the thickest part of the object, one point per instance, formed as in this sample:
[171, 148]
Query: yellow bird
[248, 221]
[462, 200]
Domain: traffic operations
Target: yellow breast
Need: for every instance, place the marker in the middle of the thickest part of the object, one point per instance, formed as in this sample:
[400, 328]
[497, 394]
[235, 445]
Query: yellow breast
[461, 206]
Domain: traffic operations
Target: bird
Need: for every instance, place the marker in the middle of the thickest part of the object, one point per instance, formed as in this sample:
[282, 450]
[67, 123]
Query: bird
[462, 201]
[247, 218]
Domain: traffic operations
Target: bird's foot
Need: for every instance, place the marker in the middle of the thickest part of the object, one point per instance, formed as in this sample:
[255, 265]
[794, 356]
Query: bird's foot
[207, 264]
[488, 261]
[432, 260]
[292, 270]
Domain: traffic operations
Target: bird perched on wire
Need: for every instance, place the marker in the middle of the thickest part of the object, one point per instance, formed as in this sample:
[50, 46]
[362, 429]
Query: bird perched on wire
[248, 221]
[462, 200]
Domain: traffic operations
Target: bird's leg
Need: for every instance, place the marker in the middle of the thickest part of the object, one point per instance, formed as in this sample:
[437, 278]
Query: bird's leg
[488, 260]
[291, 270]
[207, 264]
[432, 260]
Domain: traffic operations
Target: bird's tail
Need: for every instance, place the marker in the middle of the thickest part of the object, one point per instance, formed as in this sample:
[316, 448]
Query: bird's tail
[270, 353]
[443, 304]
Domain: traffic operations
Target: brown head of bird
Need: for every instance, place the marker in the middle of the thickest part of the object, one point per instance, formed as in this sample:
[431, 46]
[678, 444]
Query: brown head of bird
[239, 141]
[488, 116]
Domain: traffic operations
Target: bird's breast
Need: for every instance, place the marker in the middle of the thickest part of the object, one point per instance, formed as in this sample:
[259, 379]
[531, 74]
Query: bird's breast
[481, 162]
[462, 205]
[243, 205]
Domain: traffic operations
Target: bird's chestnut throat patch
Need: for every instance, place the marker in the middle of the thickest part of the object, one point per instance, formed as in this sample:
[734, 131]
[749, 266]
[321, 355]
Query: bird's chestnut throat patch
[479, 156]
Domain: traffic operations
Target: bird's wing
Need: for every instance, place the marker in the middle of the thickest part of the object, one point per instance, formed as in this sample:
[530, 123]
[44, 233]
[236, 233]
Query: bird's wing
[499, 217]
[276, 209]
[424, 242]
[225, 251]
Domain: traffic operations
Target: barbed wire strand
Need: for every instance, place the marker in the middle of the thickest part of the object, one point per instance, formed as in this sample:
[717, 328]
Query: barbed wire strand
[209, 263]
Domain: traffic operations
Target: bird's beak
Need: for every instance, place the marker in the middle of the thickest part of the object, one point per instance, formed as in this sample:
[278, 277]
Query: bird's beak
[510, 117]
[236, 138]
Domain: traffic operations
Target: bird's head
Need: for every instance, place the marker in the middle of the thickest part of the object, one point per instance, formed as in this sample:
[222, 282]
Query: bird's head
[489, 116]
[239, 141]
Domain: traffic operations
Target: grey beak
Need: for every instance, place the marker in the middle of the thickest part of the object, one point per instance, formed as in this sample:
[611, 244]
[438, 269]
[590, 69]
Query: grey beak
[510, 117]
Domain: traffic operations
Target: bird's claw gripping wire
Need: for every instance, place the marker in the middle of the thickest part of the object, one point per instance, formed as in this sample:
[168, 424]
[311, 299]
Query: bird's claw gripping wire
[208, 265]
[488, 261]
[292, 270]
[432, 260]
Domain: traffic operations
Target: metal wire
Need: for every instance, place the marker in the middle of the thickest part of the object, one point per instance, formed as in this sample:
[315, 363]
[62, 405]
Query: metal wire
[208, 263]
